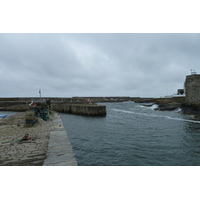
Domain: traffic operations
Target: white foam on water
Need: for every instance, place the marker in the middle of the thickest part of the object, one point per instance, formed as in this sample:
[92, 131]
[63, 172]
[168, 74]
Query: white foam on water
[141, 106]
[156, 116]
[154, 106]
[184, 120]
[125, 111]
[178, 110]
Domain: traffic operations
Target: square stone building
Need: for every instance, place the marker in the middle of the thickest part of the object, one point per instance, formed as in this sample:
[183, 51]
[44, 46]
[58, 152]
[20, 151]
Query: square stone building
[192, 89]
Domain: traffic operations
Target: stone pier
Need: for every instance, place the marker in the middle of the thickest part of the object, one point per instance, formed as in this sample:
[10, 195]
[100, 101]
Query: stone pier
[79, 109]
[60, 152]
[49, 144]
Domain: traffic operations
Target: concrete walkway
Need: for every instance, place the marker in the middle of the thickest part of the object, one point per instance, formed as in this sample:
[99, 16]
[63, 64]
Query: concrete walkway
[60, 152]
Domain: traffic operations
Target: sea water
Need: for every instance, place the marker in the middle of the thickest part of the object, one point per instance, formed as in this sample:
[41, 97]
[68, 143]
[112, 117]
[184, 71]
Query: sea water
[134, 135]
[8, 113]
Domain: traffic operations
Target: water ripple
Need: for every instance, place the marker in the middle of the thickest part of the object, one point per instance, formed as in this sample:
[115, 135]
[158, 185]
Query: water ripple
[131, 135]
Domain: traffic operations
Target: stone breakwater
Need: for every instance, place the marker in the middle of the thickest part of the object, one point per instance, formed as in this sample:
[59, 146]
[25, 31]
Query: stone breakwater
[79, 109]
[33, 152]
[64, 105]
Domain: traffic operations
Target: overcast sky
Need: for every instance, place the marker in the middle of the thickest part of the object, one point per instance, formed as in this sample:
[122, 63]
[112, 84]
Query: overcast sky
[66, 65]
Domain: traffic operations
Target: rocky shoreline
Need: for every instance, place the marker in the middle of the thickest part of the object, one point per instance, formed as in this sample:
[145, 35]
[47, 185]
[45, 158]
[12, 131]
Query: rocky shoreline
[170, 104]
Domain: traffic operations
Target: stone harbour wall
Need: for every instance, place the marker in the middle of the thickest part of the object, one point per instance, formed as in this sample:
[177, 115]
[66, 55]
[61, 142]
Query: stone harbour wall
[62, 105]
[79, 109]
[91, 110]
[14, 106]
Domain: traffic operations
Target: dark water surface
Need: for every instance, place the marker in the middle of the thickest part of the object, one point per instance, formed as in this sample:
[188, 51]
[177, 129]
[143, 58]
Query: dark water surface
[134, 135]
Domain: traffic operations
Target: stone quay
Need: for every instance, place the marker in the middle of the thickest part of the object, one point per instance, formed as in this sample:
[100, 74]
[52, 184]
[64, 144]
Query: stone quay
[48, 143]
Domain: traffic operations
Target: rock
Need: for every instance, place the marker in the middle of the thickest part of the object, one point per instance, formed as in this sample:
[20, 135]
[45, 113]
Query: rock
[190, 109]
[168, 106]
[148, 104]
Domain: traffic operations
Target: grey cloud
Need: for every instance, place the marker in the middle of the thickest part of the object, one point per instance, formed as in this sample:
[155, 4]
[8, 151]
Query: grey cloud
[96, 64]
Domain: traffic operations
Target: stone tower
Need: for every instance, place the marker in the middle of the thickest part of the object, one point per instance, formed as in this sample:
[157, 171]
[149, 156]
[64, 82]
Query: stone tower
[192, 88]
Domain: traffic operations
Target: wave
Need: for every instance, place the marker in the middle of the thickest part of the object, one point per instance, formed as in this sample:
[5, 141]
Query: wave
[154, 106]
[157, 116]
[125, 111]
[178, 110]
[185, 120]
